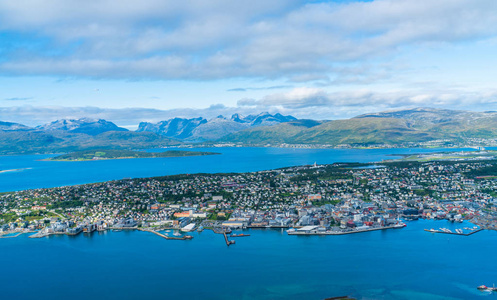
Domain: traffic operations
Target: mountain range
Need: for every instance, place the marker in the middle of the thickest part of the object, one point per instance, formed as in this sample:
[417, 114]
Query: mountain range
[395, 128]
[86, 133]
[201, 129]
[83, 125]
[391, 128]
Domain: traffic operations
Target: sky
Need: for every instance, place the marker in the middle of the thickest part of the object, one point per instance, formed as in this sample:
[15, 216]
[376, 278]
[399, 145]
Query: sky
[150, 60]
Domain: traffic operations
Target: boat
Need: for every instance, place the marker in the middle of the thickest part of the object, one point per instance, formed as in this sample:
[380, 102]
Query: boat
[239, 235]
[487, 289]
[177, 234]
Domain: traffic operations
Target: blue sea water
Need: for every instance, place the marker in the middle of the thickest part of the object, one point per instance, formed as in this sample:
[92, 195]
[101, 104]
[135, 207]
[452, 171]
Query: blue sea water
[406, 263]
[30, 171]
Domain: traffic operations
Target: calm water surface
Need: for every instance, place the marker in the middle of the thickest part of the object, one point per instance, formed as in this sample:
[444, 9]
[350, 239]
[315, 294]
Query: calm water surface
[29, 171]
[404, 263]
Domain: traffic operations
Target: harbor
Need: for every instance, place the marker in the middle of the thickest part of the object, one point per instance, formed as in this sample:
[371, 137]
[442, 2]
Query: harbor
[458, 231]
[261, 257]
[316, 230]
[184, 237]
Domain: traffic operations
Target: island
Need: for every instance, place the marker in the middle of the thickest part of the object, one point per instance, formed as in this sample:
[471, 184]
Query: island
[102, 154]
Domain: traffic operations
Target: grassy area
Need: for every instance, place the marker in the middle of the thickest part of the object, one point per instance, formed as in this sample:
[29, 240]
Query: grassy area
[121, 154]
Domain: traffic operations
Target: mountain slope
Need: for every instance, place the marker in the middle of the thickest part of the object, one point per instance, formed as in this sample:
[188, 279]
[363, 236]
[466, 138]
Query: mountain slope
[8, 126]
[393, 128]
[200, 129]
[177, 128]
[83, 125]
[35, 141]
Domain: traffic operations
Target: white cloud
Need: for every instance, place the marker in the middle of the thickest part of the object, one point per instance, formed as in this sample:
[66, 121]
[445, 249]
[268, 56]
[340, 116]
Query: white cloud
[227, 39]
[300, 100]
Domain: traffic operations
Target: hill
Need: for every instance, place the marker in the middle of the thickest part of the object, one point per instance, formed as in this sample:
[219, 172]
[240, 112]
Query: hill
[402, 127]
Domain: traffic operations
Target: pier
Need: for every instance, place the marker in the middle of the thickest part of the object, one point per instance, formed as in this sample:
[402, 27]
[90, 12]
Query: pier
[314, 231]
[8, 235]
[454, 233]
[185, 237]
[228, 242]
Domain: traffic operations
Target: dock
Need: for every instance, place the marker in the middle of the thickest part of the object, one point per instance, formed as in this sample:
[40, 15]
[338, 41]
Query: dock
[228, 242]
[182, 238]
[7, 236]
[313, 231]
[454, 233]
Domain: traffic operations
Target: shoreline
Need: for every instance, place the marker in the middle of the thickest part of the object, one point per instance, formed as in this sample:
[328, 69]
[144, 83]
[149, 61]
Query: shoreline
[344, 232]
[289, 146]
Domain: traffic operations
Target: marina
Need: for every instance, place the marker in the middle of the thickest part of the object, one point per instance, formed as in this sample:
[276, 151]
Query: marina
[182, 238]
[457, 231]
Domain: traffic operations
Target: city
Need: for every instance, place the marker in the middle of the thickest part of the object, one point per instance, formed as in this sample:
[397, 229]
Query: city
[316, 199]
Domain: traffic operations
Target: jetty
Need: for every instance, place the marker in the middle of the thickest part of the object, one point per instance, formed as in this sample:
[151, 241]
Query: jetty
[454, 233]
[228, 242]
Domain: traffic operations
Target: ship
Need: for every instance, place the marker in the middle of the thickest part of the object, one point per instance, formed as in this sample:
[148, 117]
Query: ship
[239, 235]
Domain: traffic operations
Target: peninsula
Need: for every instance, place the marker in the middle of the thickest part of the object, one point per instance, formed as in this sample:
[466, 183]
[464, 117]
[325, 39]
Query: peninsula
[123, 154]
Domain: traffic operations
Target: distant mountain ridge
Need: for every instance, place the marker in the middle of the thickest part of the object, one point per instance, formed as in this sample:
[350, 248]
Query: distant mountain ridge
[72, 135]
[201, 129]
[86, 133]
[398, 127]
[83, 125]
[406, 128]
[8, 126]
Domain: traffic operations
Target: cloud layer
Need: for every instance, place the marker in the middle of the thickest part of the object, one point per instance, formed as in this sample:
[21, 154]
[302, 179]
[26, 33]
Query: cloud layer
[294, 40]
[305, 103]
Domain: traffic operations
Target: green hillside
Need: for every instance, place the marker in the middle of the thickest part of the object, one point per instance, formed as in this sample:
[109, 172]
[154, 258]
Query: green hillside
[398, 127]
[28, 142]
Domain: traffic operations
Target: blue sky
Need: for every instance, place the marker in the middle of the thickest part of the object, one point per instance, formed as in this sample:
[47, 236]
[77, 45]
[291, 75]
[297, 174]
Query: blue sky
[150, 60]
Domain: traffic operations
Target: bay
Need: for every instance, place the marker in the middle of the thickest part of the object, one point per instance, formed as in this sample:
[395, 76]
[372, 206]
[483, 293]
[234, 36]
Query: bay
[404, 263]
[30, 171]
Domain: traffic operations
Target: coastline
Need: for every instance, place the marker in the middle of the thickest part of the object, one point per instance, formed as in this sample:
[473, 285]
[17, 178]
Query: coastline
[278, 146]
